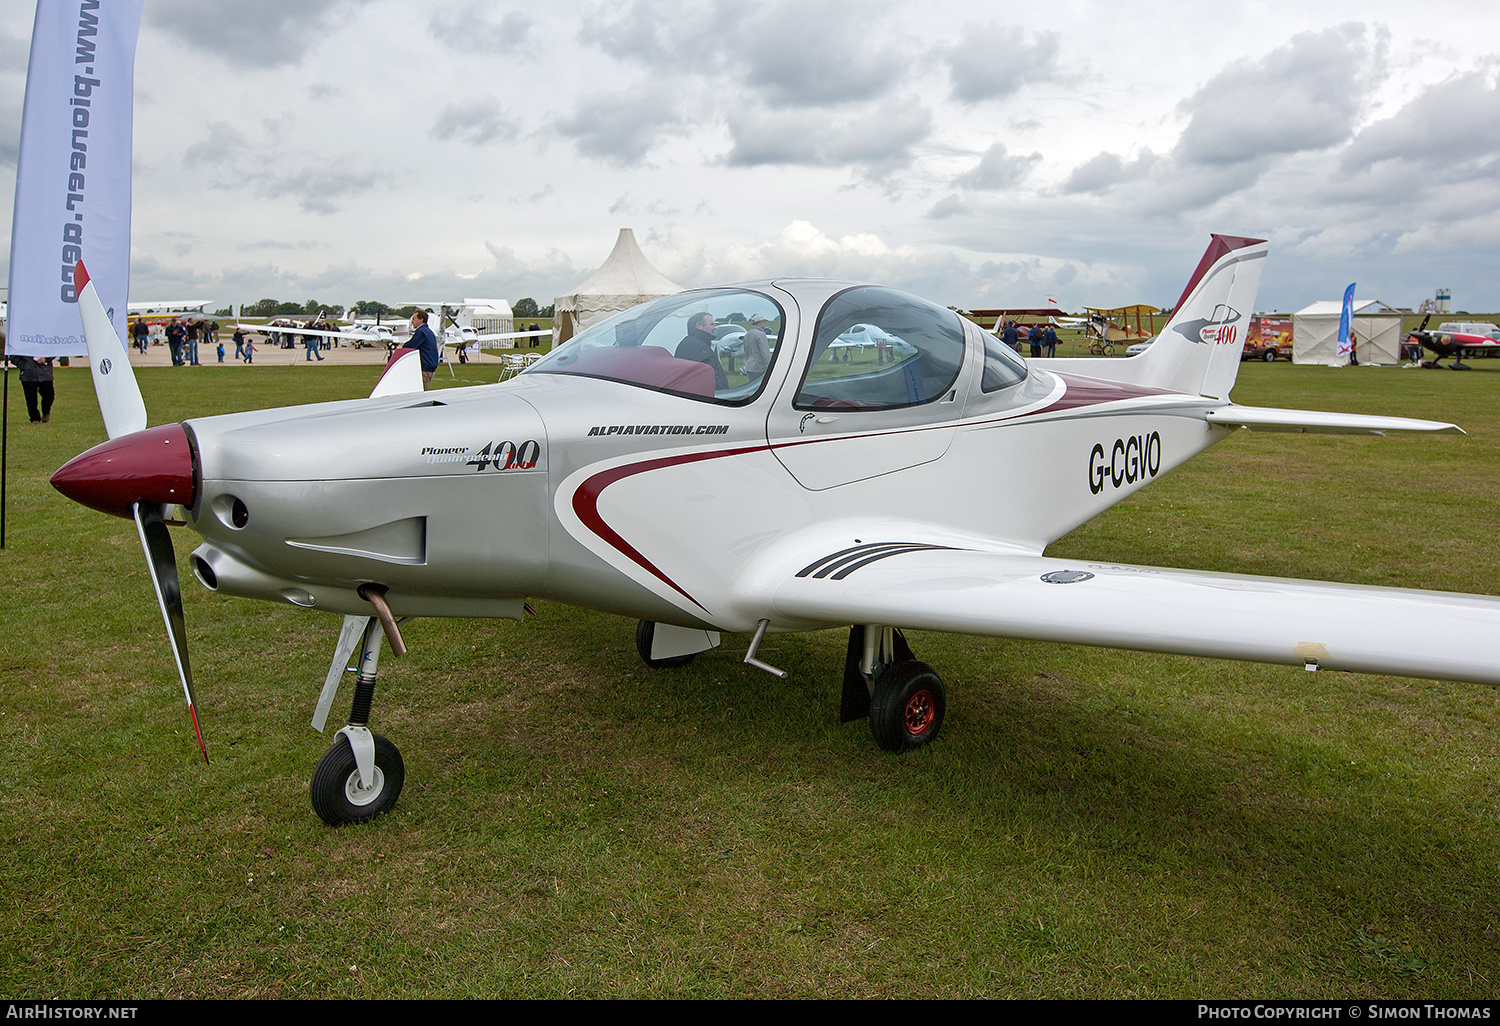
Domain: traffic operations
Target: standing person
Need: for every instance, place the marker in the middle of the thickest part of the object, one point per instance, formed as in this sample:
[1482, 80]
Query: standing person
[138, 332]
[757, 348]
[1034, 339]
[535, 339]
[425, 342]
[174, 341]
[698, 345]
[1050, 338]
[1010, 336]
[221, 352]
[193, 328]
[36, 382]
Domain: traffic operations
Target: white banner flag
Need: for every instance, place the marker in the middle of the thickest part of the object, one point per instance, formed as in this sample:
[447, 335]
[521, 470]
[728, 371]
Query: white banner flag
[73, 178]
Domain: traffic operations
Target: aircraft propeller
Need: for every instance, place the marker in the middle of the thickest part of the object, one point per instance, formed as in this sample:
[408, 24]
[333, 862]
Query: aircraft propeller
[137, 474]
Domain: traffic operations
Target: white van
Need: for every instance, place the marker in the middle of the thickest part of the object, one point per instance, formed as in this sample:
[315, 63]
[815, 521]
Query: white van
[1470, 328]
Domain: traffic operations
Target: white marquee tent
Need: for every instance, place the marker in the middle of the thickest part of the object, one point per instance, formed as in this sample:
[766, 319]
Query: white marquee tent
[1376, 327]
[624, 280]
[487, 316]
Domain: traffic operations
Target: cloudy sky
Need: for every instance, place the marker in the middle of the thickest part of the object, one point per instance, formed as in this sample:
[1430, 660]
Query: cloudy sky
[977, 154]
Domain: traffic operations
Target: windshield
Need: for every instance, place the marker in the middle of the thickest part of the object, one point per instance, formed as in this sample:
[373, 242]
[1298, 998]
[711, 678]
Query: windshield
[710, 344]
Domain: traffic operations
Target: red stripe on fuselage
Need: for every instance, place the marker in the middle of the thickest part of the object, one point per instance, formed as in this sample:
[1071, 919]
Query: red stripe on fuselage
[1092, 392]
[586, 506]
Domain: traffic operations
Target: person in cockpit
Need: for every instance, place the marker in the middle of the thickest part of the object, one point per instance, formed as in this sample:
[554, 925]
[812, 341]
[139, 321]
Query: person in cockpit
[698, 345]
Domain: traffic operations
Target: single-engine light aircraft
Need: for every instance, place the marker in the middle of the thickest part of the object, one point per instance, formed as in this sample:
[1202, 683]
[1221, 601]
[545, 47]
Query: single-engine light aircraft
[1454, 344]
[636, 474]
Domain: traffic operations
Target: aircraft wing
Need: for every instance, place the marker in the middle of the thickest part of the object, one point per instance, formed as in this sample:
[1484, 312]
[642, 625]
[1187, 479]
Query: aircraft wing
[269, 329]
[509, 334]
[1430, 634]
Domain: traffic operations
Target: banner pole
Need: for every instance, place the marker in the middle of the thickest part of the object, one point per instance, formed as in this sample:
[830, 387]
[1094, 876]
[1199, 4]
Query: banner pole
[4, 440]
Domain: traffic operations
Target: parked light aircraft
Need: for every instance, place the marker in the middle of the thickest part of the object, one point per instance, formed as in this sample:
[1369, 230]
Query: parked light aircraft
[916, 493]
[1455, 344]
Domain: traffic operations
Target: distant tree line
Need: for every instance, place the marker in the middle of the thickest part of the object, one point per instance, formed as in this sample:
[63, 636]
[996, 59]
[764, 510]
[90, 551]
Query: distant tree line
[526, 307]
[277, 308]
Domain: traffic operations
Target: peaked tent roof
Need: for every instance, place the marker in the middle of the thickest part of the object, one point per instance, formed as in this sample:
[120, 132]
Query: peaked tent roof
[625, 279]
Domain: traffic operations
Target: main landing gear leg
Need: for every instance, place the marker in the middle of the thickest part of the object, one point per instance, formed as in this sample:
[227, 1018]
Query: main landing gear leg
[361, 775]
[903, 698]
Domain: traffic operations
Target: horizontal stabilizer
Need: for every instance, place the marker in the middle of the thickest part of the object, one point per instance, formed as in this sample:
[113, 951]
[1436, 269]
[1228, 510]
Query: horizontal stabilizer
[1315, 422]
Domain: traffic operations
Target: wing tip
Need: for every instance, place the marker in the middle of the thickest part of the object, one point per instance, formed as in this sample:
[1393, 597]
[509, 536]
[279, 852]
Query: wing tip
[80, 276]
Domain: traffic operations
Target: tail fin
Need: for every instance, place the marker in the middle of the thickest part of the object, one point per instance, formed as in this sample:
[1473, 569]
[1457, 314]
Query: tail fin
[114, 381]
[1198, 352]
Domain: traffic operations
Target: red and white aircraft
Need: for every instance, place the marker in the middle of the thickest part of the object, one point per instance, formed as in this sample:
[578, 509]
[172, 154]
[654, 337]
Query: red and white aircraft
[1454, 344]
[635, 475]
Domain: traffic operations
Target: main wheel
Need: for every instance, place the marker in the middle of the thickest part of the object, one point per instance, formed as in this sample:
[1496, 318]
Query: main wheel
[907, 708]
[337, 796]
[645, 631]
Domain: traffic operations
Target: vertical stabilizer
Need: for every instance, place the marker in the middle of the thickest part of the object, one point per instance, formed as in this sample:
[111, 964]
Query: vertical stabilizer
[1199, 350]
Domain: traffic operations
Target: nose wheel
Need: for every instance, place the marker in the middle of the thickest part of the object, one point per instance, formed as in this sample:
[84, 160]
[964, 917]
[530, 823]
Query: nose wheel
[342, 795]
[361, 775]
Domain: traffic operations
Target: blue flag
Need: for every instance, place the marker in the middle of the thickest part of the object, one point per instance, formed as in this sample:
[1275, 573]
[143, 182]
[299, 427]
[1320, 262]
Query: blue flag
[1346, 323]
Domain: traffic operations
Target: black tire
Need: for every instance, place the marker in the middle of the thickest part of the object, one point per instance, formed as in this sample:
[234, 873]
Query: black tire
[907, 708]
[335, 790]
[645, 631]
[1269, 356]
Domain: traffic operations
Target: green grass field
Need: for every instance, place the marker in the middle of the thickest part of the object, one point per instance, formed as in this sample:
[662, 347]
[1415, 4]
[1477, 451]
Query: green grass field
[1092, 823]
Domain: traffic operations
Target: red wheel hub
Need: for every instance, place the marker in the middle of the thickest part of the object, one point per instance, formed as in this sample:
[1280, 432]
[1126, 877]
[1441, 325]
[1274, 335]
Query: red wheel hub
[919, 713]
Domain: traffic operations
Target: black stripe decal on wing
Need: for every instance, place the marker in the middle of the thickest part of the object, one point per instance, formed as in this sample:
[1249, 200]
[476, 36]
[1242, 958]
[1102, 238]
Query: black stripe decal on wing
[841, 564]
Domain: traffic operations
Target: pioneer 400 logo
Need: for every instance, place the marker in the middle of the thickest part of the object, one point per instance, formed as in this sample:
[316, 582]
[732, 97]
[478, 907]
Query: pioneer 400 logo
[1221, 328]
[507, 456]
[1137, 458]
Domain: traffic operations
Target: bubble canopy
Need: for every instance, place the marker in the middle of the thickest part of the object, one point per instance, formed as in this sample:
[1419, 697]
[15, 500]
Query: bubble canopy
[692, 344]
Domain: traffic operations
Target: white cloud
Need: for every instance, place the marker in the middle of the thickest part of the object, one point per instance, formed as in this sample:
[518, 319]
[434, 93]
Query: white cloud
[622, 127]
[476, 121]
[998, 169]
[265, 34]
[1306, 95]
[876, 139]
[474, 25]
[994, 62]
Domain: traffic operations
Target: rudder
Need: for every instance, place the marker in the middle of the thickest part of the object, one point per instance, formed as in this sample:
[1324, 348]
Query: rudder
[1198, 352]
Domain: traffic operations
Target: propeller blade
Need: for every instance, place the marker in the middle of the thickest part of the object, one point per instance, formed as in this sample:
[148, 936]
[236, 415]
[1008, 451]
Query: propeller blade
[114, 381]
[162, 562]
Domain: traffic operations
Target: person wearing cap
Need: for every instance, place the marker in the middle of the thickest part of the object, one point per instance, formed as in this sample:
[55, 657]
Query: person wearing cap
[757, 348]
